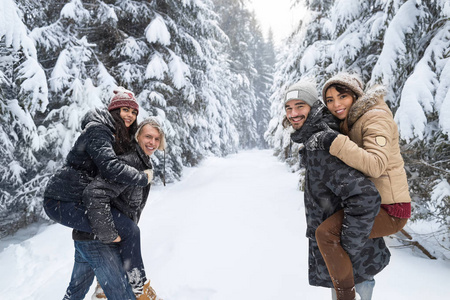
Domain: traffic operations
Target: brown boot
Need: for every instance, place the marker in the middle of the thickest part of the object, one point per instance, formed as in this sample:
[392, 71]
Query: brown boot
[98, 293]
[148, 293]
[347, 294]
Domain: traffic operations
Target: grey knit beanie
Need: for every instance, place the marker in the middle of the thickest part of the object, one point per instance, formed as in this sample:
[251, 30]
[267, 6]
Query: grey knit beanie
[352, 81]
[302, 90]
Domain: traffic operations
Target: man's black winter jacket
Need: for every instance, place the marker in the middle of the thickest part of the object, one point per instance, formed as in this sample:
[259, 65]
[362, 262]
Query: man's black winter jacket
[101, 194]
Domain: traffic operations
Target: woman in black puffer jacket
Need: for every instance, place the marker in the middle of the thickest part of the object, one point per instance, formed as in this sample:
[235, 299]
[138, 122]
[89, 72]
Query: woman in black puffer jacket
[105, 134]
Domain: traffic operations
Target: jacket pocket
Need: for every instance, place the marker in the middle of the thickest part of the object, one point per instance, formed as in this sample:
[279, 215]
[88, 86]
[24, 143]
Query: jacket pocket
[399, 187]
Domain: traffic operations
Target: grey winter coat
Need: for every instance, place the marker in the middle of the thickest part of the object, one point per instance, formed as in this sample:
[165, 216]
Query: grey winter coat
[101, 194]
[91, 154]
[331, 185]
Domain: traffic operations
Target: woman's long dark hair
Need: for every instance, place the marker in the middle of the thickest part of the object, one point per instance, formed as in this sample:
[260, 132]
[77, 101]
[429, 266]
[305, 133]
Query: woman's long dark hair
[123, 135]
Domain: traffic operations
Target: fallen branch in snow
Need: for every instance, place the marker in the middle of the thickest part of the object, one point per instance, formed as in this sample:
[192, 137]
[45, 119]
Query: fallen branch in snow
[416, 244]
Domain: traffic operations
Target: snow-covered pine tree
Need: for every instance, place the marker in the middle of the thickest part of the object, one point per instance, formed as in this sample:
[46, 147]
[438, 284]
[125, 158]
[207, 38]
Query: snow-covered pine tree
[182, 81]
[23, 93]
[125, 51]
[417, 68]
[172, 54]
[301, 57]
[245, 45]
[263, 53]
[70, 63]
[99, 45]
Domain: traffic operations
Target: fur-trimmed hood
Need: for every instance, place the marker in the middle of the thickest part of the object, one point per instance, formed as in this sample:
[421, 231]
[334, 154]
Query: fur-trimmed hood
[373, 98]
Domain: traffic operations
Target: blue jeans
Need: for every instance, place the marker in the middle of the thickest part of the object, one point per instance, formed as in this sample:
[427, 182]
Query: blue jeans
[94, 258]
[73, 215]
[364, 289]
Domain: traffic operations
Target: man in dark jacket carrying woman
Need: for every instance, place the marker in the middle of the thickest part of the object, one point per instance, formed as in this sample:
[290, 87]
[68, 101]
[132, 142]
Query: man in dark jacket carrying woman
[331, 185]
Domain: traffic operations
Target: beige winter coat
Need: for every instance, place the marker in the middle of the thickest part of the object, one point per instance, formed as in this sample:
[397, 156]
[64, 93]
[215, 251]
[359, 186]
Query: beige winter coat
[372, 146]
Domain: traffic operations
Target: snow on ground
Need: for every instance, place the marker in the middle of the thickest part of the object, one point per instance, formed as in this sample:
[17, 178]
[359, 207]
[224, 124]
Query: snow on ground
[232, 229]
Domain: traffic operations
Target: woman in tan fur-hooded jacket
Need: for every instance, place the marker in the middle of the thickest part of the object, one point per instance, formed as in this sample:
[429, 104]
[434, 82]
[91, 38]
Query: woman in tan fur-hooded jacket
[369, 142]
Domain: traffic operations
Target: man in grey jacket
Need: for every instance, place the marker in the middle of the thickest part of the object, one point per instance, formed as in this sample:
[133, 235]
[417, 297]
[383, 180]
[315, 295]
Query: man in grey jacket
[331, 185]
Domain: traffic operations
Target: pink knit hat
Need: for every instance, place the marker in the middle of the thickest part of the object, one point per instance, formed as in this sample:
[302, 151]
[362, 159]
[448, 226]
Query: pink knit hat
[123, 97]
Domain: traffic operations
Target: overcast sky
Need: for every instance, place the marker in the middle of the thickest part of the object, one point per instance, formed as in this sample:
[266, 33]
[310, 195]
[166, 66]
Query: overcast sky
[275, 14]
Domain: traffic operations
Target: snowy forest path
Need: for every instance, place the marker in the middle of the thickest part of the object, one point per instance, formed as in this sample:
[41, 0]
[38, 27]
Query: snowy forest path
[232, 228]
[239, 214]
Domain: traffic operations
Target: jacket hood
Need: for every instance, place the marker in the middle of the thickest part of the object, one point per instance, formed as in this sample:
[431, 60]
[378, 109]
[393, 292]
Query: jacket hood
[318, 116]
[98, 116]
[373, 97]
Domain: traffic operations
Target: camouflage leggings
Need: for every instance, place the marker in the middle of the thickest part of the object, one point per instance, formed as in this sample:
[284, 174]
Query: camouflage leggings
[328, 237]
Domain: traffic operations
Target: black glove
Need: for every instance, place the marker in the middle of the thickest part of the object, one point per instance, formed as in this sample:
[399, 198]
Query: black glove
[321, 140]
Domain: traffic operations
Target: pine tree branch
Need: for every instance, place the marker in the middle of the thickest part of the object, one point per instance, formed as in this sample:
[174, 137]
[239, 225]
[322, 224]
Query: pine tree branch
[422, 162]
